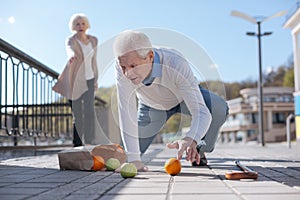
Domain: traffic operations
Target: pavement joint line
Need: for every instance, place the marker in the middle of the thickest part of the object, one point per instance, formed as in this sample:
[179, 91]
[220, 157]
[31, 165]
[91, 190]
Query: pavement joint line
[170, 188]
[225, 183]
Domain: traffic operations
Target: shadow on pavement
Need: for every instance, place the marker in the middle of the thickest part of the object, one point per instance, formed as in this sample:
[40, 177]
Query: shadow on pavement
[282, 171]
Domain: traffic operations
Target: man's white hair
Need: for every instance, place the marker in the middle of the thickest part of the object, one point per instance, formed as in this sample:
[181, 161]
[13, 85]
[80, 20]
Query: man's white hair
[129, 40]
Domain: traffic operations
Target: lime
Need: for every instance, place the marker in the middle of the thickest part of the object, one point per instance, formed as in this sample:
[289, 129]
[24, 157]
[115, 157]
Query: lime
[128, 170]
[112, 164]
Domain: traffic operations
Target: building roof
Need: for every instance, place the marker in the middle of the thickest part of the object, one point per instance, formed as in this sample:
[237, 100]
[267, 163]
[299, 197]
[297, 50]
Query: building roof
[293, 19]
[247, 92]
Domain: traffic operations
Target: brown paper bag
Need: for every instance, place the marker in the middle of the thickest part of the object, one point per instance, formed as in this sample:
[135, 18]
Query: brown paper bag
[77, 158]
[81, 158]
[107, 151]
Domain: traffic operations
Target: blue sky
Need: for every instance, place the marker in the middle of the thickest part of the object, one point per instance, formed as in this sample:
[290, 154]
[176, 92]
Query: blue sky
[40, 28]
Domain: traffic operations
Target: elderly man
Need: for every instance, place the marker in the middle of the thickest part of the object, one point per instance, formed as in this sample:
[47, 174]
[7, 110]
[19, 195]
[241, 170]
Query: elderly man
[163, 83]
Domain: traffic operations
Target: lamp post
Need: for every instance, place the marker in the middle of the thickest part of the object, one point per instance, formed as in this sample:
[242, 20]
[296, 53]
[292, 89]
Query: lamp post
[258, 22]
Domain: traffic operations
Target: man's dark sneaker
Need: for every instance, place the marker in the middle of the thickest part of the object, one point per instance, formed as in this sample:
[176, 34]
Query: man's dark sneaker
[203, 162]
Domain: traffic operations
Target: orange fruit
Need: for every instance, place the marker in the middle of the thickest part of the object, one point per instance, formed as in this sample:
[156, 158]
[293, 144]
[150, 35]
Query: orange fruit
[99, 163]
[173, 166]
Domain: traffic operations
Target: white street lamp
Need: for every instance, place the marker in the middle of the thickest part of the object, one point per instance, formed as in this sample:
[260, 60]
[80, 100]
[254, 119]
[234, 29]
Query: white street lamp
[258, 21]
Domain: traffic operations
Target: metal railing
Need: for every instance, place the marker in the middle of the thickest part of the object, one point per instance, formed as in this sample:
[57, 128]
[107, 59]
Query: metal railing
[30, 110]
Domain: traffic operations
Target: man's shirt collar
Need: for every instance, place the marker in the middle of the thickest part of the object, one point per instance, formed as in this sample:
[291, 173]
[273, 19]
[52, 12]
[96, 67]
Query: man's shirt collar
[156, 70]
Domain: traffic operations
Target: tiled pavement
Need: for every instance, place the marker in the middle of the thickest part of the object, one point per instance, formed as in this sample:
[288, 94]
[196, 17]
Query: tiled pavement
[39, 177]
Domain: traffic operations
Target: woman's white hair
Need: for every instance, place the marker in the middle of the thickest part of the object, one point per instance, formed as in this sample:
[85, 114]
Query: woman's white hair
[75, 17]
[129, 40]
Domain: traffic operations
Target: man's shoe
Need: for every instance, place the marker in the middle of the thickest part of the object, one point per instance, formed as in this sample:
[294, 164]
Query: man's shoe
[203, 162]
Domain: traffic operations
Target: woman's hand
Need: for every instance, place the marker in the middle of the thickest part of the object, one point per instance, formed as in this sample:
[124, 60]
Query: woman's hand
[96, 86]
[72, 59]
[187, 145]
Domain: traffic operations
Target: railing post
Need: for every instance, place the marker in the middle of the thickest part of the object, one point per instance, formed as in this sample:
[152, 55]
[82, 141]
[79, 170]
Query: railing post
[15, 128]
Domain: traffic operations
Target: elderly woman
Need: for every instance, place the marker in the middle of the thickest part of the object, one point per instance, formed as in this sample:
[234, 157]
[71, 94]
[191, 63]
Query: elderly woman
[78, 81]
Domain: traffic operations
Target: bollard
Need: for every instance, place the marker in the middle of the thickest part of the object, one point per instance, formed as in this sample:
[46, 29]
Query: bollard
[288, 129]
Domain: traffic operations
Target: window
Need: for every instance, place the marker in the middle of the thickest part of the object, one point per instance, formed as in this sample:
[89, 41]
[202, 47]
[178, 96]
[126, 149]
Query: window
[278, 118]
[254, 118]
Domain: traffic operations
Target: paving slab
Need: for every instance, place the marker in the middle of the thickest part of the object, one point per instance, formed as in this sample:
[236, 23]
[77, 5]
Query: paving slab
[39, 177]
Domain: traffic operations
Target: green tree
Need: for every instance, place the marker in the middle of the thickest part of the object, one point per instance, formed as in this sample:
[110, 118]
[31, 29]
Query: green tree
[288, 80]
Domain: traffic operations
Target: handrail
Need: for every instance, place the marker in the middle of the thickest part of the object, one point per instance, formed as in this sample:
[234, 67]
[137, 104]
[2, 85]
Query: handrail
[23, 57]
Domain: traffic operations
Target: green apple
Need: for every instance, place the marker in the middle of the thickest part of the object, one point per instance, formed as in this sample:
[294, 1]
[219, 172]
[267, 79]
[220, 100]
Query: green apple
[128, 170]
[112, 164]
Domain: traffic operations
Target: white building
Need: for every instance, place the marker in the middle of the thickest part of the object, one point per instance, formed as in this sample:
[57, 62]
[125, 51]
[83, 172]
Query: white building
[293, 22]
[242, 122]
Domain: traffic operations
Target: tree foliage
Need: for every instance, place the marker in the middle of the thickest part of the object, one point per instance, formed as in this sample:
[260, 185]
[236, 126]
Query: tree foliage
[288, 80]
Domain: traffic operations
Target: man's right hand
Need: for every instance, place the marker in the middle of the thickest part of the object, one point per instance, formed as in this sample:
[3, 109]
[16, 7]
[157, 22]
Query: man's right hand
[187, 145]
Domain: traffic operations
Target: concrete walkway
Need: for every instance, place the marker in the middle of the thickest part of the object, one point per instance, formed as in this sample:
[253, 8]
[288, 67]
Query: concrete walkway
[39, 177]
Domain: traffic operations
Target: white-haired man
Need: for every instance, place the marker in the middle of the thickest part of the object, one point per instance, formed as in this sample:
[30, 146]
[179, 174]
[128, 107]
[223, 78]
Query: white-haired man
[163, 82]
